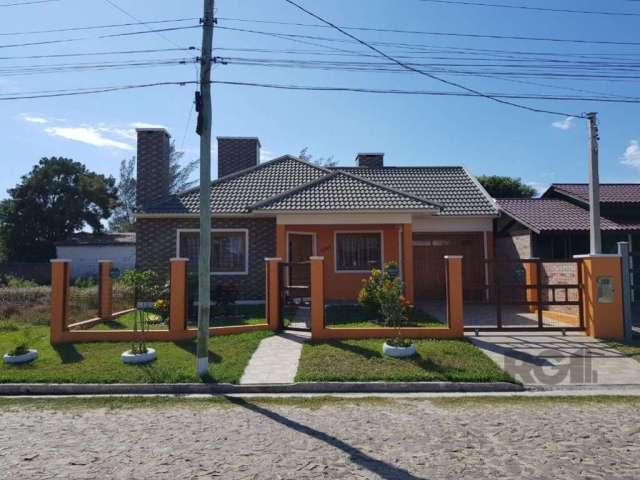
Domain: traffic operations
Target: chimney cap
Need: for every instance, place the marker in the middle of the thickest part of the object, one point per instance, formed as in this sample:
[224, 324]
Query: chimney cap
[153, 129]
[370, 154]
[239, 138]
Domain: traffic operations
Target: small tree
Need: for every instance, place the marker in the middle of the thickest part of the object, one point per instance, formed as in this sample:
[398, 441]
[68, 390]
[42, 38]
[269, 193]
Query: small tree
[320, 161]
[145, 285]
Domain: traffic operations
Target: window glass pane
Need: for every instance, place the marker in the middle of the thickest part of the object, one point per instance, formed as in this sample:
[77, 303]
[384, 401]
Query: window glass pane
[358, 251]
[228, 251]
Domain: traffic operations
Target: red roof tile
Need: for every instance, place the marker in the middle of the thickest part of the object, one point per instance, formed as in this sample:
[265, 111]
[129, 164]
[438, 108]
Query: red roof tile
[609, 192]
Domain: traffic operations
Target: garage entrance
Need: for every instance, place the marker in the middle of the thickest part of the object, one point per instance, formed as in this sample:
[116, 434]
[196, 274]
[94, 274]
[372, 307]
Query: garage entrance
[429, 250]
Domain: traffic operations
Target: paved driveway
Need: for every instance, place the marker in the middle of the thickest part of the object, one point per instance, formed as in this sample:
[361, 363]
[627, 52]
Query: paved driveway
[405, 440]
[548, 359]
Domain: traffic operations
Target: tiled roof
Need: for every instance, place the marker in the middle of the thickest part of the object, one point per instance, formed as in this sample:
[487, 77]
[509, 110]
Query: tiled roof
[235, 193]
[452, 187]
[609, 192]
[554, 215]
[340, 191]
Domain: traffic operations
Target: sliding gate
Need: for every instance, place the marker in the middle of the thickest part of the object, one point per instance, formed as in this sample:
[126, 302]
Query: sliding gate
[531, 294]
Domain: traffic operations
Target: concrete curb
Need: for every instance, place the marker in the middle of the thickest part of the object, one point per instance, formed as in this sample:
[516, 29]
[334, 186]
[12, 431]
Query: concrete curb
[14, 389]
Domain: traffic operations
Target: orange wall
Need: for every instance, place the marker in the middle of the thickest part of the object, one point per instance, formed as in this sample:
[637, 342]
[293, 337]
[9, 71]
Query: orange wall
[344, 285]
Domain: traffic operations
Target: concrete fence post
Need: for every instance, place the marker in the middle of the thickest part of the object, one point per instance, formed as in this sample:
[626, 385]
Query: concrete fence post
[105, 290]
[60, 271]
[602, 296]
[272, 293]
[317, 296]
[178, 296]
[625, 262]
[455, 306]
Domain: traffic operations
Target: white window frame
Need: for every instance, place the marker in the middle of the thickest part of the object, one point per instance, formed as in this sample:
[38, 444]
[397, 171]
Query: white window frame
[220, 230]
[335, 250]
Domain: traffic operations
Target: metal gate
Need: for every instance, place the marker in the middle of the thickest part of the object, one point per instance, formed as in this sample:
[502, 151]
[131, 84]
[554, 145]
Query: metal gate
[526, 294]
[631, 290]
[294, 288]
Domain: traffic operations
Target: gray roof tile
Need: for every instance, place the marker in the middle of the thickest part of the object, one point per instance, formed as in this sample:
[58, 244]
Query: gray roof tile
[342, 191]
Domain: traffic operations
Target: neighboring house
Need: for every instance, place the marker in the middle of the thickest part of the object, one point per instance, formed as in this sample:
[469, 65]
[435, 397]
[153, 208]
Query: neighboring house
[85, 250]
[556, 226]
[356, 218]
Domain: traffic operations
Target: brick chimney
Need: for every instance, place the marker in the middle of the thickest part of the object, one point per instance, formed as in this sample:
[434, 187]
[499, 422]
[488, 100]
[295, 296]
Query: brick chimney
[152, 177]
[237, 153]
[370, 160]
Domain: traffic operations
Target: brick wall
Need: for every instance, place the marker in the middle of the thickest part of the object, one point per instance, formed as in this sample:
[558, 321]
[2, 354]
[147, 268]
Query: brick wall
[153, 176]
[156, 244]
[516, 245]
[564, 273]
[235, 154]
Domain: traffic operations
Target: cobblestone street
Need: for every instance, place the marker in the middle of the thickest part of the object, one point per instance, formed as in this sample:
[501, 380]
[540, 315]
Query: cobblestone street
[401, 439]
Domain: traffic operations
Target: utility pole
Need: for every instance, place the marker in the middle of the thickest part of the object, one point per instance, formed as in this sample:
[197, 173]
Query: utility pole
[203, 104]
[595, 240]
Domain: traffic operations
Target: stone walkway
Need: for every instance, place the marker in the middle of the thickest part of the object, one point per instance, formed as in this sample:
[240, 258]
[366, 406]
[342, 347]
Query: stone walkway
[549, 359]
[403, 440]
[276, 359]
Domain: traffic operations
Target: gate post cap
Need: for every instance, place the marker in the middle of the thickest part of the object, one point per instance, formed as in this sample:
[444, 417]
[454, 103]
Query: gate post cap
[272, 259]
[316, 258]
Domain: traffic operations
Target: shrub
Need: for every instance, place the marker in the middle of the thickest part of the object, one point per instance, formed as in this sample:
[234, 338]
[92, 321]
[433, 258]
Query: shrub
[85, 282]
[161, 307]
[11, 281]
[22, 343]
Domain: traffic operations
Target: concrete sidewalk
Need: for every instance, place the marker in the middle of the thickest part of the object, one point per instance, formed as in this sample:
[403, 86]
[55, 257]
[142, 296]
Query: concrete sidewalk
[550, 359]
[276, 359]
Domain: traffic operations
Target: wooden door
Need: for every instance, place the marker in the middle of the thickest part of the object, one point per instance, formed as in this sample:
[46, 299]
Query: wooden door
[300, 249]
[429, 251]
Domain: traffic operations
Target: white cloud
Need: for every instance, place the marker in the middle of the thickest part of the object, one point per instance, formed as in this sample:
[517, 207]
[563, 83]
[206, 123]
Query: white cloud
[89, 135]
[631, 155]
[31, 119]
[265, 155]
[563, 124]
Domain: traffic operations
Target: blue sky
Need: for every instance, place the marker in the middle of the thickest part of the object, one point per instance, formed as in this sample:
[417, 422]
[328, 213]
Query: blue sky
[486, 137]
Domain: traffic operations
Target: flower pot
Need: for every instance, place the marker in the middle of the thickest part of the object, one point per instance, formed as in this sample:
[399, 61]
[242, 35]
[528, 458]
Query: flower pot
[398, 352]
[30, 356]
[139, 358]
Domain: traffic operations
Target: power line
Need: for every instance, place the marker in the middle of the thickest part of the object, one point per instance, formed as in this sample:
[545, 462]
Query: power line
[537, 9]
[87, 91]
[429, 75]
[92, 54]
[98, 27]
[33, 2]
[113, 35]
[433, 33]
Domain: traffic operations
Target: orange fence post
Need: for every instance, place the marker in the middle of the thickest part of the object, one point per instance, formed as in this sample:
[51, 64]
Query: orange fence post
[272, 292]
[60, 270]
[178, 295]
[531, 278]
[602, 296]
[105, 290]
[455, 307]
[407, 260]
[317, 296]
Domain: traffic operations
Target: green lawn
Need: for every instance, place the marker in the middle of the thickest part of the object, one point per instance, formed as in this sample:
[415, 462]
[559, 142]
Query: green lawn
[100, 362]
[362, 361]
[354, 316]
[632, 351]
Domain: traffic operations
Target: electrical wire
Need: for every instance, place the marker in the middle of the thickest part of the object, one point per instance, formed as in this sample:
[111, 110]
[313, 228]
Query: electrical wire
[33, 2]
[429, 75]
[93, 54]
[530, 8]
[98, 27]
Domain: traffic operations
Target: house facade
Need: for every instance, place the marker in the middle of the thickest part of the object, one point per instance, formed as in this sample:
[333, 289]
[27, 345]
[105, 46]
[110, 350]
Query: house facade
[556, 225]
[355, 217]
[85, 250]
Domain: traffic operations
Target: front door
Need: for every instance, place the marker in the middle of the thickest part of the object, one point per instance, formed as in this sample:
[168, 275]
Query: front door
[300, 249]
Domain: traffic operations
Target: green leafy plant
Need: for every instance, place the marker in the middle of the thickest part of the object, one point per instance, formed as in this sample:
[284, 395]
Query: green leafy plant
[11, 281]
[85, 282]
[161, 308]
[145, 284]
[382, 293]
[22, 343]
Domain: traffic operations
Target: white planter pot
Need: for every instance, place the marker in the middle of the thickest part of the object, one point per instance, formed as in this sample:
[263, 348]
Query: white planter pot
[398, 352]
[30, 356]
[139, 358]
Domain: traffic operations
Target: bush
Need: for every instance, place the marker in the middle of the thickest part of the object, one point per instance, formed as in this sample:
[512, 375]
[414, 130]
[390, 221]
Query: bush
[85, 282]
[22, 343]
[11, 281]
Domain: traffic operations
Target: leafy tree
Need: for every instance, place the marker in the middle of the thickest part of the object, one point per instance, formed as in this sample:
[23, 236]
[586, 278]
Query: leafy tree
[320, 161]
[506, 187]
[123, 219]
[56, 199]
